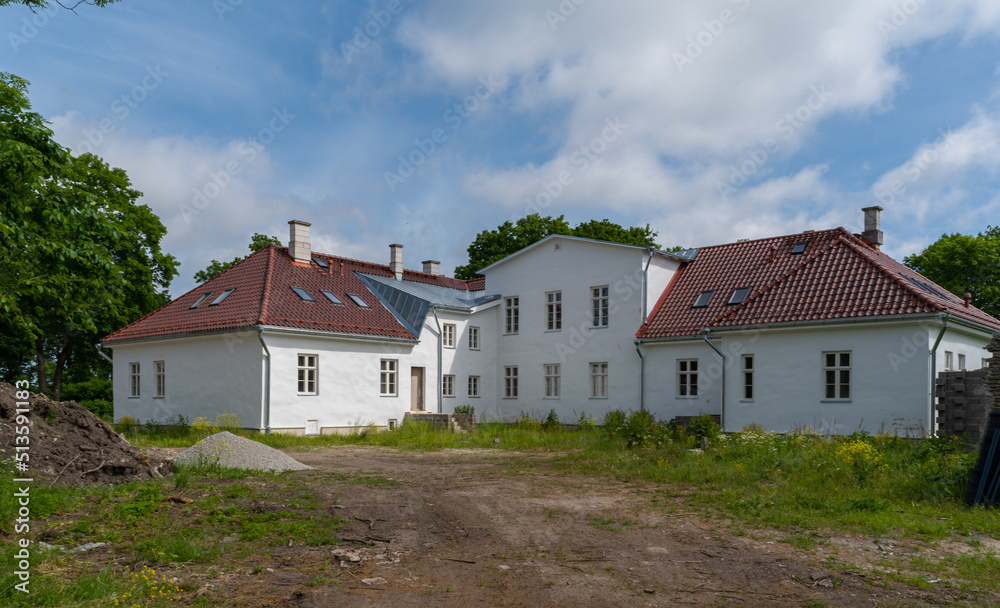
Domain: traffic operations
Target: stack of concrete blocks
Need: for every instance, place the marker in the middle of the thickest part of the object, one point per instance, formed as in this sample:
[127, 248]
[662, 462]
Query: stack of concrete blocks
[451, 422]
[965, 398]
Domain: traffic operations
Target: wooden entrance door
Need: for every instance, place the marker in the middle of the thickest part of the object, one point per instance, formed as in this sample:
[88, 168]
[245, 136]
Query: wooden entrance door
[417, 389]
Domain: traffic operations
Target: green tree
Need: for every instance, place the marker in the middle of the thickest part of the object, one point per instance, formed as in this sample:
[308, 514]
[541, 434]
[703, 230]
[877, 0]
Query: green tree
[215, 268]
[962, 264]
[78, 256]
[33, 4]
[492, 245]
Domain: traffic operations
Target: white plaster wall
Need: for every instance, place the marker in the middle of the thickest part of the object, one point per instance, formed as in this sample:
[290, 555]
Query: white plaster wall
[205, 376]
[660, 390]
[463, 362]
[573, 269]
[961, 341]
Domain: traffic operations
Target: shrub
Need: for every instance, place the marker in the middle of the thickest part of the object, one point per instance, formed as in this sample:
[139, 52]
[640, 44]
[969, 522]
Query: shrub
[585, 422]
[614, 423]
[552, 421]
[642, 430]
[704, 426]
[465, 409]
[102, 408]
[529, 422]
[126, 424]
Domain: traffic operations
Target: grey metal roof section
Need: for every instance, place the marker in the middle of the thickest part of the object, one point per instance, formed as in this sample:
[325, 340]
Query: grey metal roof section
[685, 254]
[410, 302]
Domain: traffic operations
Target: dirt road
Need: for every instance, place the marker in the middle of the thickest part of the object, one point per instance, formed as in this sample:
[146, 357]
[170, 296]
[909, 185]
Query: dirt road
[492, 528]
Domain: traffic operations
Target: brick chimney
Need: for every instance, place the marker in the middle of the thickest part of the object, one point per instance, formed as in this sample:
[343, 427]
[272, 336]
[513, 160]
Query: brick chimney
[873, 225]
[396, 260]
[298, 241]
[432, 267]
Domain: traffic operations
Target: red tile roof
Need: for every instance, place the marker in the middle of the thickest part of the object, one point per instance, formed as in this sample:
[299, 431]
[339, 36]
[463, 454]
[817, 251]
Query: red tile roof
[838, 276]
[263, 296]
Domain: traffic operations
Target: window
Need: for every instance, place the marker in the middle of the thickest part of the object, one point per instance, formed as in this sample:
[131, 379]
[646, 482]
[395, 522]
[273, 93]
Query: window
[747, 377]
[599, 303]
[510, 382]
[448, 335]
[739, 294]
[387, 382]
[553, 310]
[222, 296]
[511, 315]
[687, 377]
[321, 263]
[986, 363]
[473, 386]
[307, 374]
[552, 380]
[133, 375]
[837, 375]
[302, 293]
[599, 380]
[200, 300]
[949, 360]
[961, 362]
[703, 299]
[473, 338]
[447, 385]
[357, 300]
[332, 297]
[161, 378]
[799, 247]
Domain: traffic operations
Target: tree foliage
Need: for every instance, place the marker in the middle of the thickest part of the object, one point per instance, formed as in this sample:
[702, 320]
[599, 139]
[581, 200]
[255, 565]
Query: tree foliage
[964, 263]
[215, 268]
[43, 4]
[509, 237]
[79, 258]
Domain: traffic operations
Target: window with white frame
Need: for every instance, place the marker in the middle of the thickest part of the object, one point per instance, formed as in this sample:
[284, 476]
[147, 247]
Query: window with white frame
[308, 366]
[473, 386]
[747, 377]
[133, 382]
[511, 320]
[159, 367]
[553, 310]
[687, 377]
[599, 380]
[599, 305]
[961, 362]
[986, 363]
[837, 375]
[447, 385]
[510, 382]
[448, 335]
[388, 386]
[949, 360]
[473, 338]
[552, 381]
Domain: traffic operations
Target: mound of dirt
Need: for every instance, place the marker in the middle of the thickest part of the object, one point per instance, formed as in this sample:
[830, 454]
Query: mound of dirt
[69, 445]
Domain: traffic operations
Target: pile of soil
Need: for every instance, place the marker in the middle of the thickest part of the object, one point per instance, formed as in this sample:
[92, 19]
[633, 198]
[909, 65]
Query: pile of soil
[71, 446]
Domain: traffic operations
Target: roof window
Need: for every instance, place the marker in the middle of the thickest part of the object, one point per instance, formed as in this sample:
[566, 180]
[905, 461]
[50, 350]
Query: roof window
[321, 263]
[302, 293]
[739, 294]
[703, 299]
[332, 297]
[799, 247]
[357, 300]
[222, 296]
[200, 301]
[925, 286]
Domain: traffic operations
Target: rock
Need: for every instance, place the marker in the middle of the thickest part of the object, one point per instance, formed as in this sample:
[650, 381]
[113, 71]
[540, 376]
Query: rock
[503, 567]
[87, 547]
[47, 547]
[378, 580]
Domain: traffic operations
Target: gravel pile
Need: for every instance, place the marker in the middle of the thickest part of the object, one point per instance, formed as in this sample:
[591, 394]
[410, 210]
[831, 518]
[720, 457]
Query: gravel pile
[230, 451]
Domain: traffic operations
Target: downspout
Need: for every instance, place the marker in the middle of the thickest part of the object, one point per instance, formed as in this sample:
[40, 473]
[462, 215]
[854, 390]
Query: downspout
[722, 409]
[440, 379]
[933, 388]
[101, 353]
[267, 383]
[642, 374]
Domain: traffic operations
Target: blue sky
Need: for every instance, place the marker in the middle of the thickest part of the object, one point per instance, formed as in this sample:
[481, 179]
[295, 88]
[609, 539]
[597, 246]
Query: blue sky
[711, 121]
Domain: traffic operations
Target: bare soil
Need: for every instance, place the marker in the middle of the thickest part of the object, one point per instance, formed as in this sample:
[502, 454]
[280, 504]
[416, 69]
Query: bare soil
[493, 528]
[69, 445]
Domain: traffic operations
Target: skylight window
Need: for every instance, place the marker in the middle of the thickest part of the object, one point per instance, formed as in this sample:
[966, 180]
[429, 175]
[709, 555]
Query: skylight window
[321, 263]
[925, 286]
[799, 247]
[704, 298]
[302, 293]
[222, 296]
[739, 294]
[332, 297]
[200, 301]
[357, 300]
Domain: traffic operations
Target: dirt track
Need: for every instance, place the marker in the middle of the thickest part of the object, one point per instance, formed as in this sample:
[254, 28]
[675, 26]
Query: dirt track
[491, 528]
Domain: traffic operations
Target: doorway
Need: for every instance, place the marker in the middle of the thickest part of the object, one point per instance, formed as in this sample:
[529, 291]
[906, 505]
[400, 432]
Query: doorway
[417, 389]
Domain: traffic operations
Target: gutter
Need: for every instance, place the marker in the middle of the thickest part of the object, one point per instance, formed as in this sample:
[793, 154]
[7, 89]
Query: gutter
[267, 383]
[440, 379]
[642, 374]
[722, 409]
[101, 353]
[943, 317]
